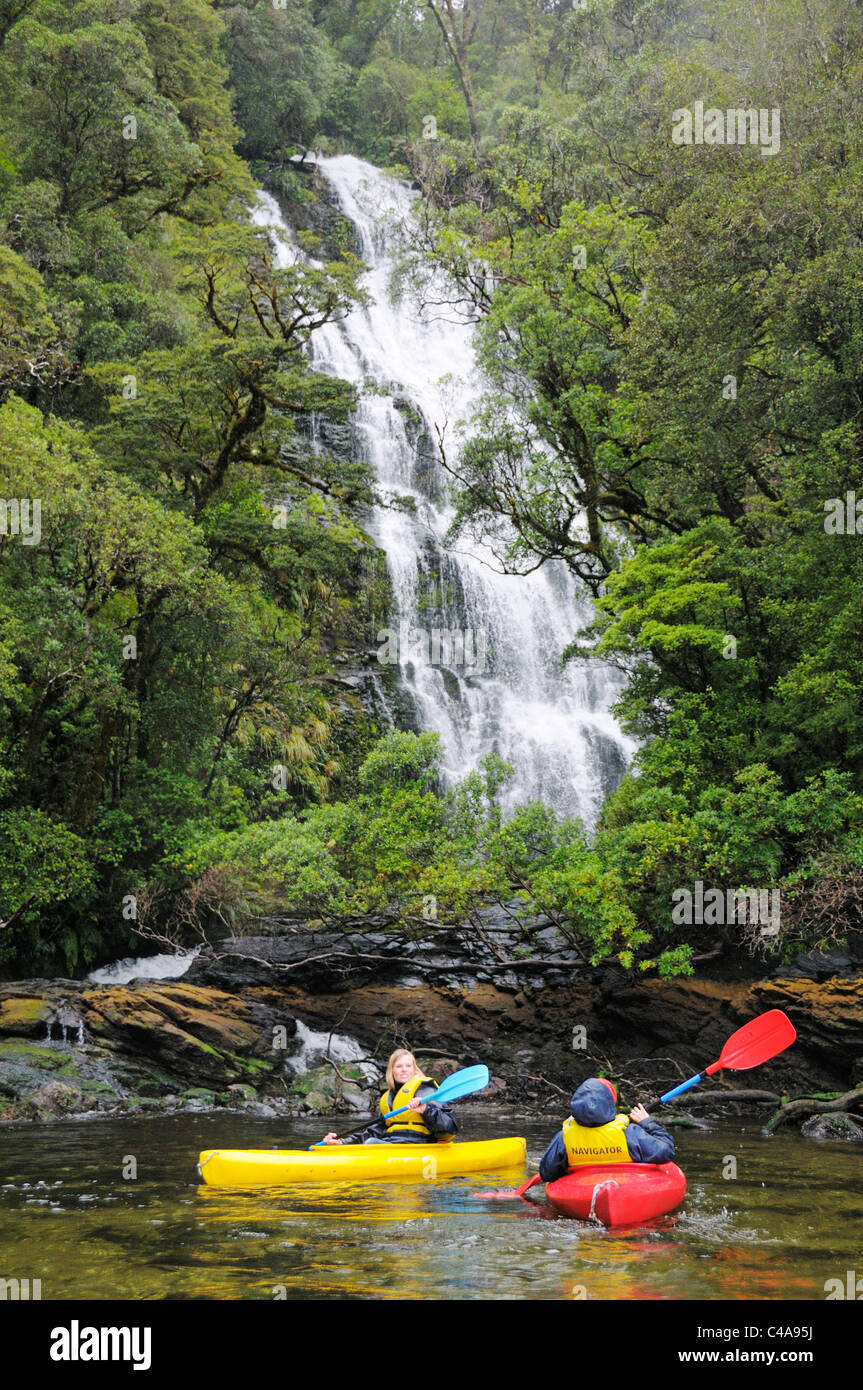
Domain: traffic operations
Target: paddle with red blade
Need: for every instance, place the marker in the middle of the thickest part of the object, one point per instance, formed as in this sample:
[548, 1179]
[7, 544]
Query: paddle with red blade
[753, 1044]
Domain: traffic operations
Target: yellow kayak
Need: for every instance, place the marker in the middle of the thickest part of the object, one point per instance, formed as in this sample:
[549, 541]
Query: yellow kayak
[356, 1162]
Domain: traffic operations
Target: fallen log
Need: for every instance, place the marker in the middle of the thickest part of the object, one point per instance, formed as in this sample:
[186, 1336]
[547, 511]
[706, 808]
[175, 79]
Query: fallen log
[812, 1105]
[718, 1097]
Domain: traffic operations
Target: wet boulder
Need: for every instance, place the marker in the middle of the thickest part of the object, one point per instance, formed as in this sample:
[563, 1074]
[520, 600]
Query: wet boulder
[837, 1125]
[54, 1099]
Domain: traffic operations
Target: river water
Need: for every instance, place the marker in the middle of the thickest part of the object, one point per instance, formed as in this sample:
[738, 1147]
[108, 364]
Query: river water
[785, 1225]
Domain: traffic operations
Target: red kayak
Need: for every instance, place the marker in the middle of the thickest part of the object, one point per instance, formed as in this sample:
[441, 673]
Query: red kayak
[618, 1194]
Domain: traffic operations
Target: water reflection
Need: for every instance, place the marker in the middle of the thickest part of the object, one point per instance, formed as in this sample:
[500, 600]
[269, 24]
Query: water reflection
[68, 1217]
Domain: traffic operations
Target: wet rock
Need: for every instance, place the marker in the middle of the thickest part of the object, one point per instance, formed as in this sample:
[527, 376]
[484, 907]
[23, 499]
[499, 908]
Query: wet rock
[439, 1067]
[154, 1040]
[239, 1090]
[354, 1099]
[262, 1111]
[53, 1099]
[836, 1125]
[315, 1103]
[494, 1088]
[194, 1034]
[502, 997]
[820, 965]
[24, 1017]
[702, 1011]
[25, 1066]
[828, 1015]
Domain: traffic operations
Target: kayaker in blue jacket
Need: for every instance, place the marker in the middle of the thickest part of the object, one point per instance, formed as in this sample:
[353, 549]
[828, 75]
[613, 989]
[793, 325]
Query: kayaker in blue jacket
[423, 1122]
[596, 1133]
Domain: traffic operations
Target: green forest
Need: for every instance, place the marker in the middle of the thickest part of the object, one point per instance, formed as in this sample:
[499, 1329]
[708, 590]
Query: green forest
[672, 331]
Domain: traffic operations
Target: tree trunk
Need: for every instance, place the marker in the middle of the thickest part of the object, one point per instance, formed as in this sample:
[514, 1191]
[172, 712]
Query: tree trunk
[457, 45]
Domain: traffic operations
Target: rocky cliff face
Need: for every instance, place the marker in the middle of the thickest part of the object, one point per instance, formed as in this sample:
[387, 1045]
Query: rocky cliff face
[227, 1031]
[120, 1046]
[471, 995]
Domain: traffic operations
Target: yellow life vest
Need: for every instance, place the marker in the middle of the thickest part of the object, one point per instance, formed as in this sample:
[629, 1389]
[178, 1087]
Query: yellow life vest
[596, 1144]
[411, 1119]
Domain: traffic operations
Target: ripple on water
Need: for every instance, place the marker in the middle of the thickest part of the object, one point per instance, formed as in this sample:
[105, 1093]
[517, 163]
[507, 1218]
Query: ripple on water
[722, 1226]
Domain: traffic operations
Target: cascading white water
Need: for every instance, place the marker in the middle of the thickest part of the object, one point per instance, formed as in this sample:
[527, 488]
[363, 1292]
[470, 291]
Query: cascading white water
[164, 966]
[313, 1048]
[491, 680]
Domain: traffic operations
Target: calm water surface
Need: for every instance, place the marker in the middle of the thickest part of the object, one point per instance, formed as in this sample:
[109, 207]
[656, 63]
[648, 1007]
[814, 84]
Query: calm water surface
[789, 1221]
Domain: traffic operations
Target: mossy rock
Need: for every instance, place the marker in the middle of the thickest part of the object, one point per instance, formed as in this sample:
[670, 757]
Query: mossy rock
[317, 1104]
[24, 1016]
[838, 1125]
[46, 1058]
[25, 1067]
[55, 1098]
[145, 1080]
[241, 1090]
[199, 1093]
[320, 1080]
[252, 1065]
[354, 1073]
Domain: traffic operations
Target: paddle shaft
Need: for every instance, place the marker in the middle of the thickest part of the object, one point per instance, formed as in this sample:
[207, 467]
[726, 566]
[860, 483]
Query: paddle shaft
[400, 1111]
[678, 1090]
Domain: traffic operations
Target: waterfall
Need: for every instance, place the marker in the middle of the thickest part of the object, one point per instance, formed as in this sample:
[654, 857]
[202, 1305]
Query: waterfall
[165, 966]
[313, 1048]
[478, 651]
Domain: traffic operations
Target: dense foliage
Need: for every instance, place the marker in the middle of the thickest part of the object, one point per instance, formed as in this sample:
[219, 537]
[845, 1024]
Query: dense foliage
[165, 645]
[674, 342]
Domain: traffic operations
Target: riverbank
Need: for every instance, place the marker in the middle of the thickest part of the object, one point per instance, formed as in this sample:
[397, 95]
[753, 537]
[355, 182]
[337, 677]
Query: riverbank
[300, 1021]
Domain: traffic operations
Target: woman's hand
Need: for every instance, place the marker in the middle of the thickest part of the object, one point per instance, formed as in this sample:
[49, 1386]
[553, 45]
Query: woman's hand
[331, 1138]
[417, 1105]
[638, 1113]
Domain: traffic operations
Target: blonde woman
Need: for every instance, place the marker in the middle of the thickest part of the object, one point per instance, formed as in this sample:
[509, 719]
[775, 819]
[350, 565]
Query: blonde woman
[424, 1121]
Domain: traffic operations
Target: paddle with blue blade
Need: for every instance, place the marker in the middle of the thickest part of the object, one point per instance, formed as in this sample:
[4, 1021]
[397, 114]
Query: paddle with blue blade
[461, 1083]
[756, 1042]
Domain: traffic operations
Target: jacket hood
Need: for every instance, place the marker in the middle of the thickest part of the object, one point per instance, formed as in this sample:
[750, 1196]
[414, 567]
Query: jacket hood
[593, 1104]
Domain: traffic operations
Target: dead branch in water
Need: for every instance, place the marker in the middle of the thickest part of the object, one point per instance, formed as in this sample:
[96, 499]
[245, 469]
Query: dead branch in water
[808, 1105]
[718, 1097]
